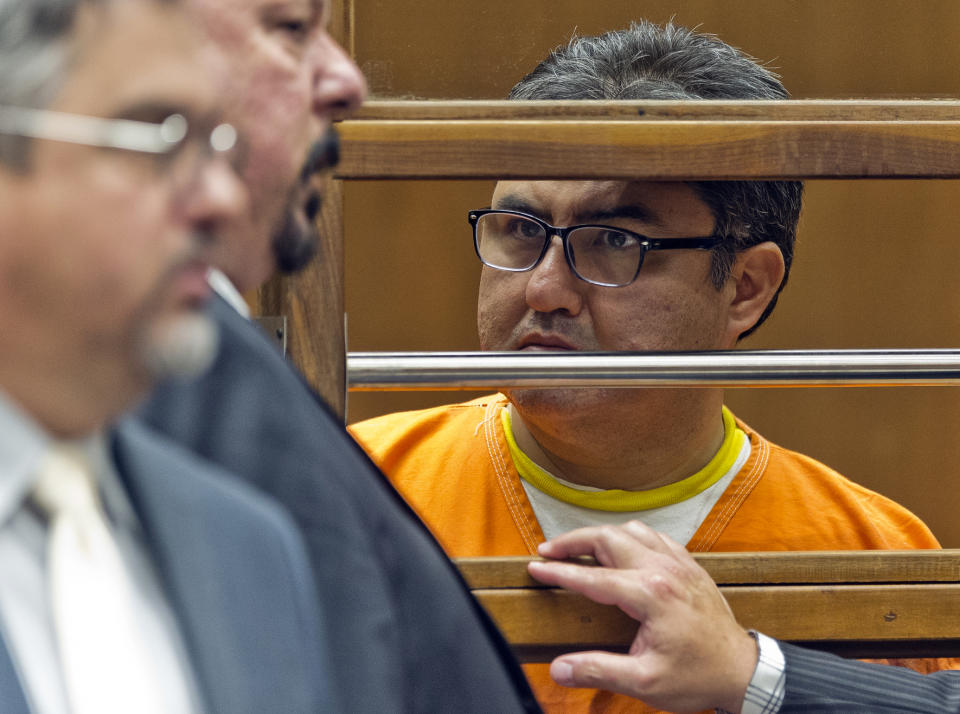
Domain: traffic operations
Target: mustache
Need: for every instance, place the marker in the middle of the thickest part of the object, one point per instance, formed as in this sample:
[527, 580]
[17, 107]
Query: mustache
[554, 323]
[324, 154]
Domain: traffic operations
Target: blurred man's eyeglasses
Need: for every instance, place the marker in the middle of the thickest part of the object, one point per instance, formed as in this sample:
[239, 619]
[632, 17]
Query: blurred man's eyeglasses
[600, 255]
[176, 148]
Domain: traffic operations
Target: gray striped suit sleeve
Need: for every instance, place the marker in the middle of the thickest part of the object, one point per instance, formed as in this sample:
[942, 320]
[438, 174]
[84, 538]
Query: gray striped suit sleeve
[819, 682]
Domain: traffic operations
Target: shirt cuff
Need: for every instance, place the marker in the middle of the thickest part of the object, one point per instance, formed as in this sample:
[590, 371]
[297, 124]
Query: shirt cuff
[765, 691]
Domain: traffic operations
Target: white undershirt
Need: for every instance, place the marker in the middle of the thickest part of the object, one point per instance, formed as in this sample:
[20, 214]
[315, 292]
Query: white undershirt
[678, 520]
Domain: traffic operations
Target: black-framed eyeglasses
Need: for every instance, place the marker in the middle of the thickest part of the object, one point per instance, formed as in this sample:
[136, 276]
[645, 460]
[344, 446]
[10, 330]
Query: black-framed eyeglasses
[600, 255]
[177, 146]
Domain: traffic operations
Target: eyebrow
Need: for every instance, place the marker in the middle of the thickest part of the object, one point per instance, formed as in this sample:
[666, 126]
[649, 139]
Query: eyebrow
[148, 111]
[633, 211]
[511, 202]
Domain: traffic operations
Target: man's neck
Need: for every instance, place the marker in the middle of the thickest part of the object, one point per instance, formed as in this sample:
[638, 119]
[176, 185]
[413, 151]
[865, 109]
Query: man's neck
[67, 403]
[633, 443]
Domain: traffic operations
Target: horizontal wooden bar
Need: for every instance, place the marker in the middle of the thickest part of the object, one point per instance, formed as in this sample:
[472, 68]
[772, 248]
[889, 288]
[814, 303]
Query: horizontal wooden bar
[868, 566]
[654, 150]
[780, 568]
[862, 604]
[792, 612]
[720, 110]
[544, 623]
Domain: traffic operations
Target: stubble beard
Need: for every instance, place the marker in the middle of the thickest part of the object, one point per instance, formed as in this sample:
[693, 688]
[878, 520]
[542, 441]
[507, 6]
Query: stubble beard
[180, 346]
[176, 340]
[296, 239]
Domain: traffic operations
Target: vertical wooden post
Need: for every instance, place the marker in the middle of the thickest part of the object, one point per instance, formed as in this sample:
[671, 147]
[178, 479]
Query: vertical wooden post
[312, 300]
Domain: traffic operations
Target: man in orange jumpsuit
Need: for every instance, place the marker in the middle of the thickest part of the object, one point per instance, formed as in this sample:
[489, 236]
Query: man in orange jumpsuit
[627, 265]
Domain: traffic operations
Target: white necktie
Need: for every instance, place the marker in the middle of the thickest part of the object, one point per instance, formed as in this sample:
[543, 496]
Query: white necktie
[105, 666]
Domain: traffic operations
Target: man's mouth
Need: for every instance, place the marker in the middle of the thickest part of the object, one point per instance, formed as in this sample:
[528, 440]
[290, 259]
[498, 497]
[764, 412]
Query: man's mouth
[190, 283]
[543, 343]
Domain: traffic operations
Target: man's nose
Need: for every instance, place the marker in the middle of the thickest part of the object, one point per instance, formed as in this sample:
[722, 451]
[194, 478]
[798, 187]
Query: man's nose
[553, 285]
[216, 195]
[338, 87]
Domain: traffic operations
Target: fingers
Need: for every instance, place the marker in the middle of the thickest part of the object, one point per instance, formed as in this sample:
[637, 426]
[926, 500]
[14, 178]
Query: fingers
[681, 612]
[664, 683]
[602, 670]
[614, 546]
[639, 594]
[599, 584]
[643, 572]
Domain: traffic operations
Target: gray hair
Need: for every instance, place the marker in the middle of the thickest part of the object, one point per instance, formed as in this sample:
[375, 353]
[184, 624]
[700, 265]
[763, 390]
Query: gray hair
[34, 48]
[647, 61]
[35, 51]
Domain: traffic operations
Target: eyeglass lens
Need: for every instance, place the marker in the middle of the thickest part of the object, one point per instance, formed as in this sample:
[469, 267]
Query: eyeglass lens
[198, 147]
[597, 254]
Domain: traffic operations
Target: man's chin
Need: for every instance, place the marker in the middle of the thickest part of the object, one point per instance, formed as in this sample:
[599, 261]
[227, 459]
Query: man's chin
[183, 346]
[576, 402]
[296, 239]
[542, 400]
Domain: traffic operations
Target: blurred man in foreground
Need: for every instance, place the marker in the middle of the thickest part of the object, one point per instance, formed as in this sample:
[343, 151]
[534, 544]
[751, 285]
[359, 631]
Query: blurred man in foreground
[133, 576]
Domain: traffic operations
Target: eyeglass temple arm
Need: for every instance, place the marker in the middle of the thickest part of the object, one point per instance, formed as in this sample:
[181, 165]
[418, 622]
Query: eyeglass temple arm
[682, 243]
[125, 134]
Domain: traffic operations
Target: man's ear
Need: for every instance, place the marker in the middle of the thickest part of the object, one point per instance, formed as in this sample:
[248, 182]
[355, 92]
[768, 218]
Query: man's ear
[756, 276]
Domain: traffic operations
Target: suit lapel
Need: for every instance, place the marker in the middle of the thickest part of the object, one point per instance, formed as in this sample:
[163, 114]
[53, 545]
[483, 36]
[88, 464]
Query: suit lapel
[174, 548]
[219, 569]
[11, 695]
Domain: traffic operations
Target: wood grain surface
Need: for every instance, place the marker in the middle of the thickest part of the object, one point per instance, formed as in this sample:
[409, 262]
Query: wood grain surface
[680, 149]
[864, 604]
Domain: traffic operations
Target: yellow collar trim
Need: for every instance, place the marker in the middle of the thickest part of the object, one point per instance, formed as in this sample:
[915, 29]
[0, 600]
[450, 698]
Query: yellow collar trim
[624, 501]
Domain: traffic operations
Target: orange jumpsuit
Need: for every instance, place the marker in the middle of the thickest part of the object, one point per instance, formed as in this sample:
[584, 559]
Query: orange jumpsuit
[453, 466]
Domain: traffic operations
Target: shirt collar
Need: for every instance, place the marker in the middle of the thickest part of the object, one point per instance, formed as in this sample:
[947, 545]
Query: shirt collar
[23, 442]
[227, 290]
[114, 495]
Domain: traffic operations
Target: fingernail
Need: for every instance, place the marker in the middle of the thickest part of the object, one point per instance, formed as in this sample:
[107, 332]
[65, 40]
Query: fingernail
[562, 672]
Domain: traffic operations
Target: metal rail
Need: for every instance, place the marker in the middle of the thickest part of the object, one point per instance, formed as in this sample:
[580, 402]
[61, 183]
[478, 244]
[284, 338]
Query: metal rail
[424, 371]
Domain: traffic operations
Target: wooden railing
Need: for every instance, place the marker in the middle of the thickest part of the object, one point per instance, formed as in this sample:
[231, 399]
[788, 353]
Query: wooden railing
[866, 604]
[653, 140]
[858, 604]
[637, 140]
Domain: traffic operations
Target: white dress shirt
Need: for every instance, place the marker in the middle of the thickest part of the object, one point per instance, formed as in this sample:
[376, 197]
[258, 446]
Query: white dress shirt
[25, 619]
[228, 291]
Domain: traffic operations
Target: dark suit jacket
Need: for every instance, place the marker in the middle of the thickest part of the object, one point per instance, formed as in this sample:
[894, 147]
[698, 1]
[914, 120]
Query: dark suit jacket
[819, 682]
[404, 633]
[235, 570]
